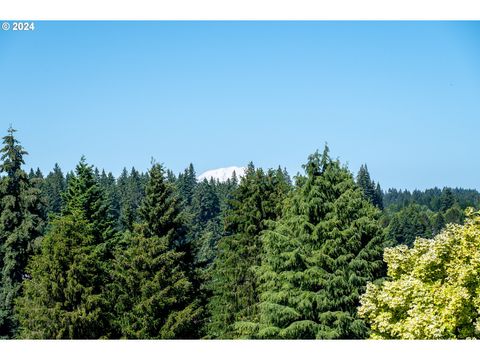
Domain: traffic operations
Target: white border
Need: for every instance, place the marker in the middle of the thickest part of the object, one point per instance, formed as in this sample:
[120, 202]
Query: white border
[239, 10]
[239, 349]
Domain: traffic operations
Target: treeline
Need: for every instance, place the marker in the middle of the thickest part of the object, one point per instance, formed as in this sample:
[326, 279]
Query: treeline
[161, 256]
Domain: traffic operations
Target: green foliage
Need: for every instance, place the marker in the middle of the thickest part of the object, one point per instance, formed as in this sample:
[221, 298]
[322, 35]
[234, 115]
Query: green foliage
[432, 290]
[372, 192]
[84, 195]
[186, 184]
[206, 228]
[409, 223]
[318, 258]
[53, 187]
[64, 297]
[65, 294]
[156, 294]
[131, 191]
[233, 283]
[21, 225]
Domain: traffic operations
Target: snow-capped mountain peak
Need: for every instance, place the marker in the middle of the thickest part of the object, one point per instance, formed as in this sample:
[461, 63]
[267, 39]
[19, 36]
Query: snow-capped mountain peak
[222, 174]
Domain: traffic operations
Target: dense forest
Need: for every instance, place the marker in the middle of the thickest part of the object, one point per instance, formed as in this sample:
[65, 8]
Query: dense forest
[158, 255]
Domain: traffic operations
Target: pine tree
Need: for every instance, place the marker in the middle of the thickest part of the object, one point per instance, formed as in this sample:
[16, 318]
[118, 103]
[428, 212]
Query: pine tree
[378, 199]
[154, 281]
[65, 297]
[131, 190]
[109, 188]
[447, 200]
[21, 225]
[206, 228]
[366, 184]
[257, 200]
[409, 223]
[186, 183]
[53, 188]
[85, 195]
[318, 258]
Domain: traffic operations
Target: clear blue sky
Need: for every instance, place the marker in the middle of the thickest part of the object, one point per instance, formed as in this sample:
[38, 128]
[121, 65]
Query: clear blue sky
[403, 97]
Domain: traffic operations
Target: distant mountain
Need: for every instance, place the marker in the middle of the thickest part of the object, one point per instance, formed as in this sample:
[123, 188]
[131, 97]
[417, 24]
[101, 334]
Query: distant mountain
[222, 174]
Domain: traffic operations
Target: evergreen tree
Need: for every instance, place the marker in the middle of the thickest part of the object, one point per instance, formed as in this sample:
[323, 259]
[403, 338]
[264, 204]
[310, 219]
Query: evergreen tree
[438, 223]
[378, 200]
[366, 184]
[131, 190]
[206, 227]
[109, 188]
[318, 258]
[454, 215]
[409, 223]
[84, 194]
[21, 225]
[257, 200]
[53, 188]
[186, 183]
[154, 281]
[65, 297]
[447, 199]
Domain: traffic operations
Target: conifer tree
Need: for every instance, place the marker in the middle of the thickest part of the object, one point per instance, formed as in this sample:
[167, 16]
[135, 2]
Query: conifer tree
[378, 197]
[109, 188]
[154, 280]
[447, 199]
[206, 228]
[131, 190]
[65, 296]
[318, 258]
[21, 225]
[186, 183]
[53, 188]
[409, 223]
[257, 200]
[85, 195]
[365, 183]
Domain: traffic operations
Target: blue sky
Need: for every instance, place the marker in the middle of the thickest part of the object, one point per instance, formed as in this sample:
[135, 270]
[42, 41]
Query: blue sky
[403, 97]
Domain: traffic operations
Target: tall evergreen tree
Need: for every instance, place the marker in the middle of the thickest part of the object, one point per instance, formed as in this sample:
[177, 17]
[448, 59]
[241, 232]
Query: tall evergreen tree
[206, 228]
[318, 258]
[447, 200]
[53, 188]
[85, 195]
[257, 200]
[21, 225]
[65, 297]
[154, 281]
[378, 200]
[186, 183]
[131, 190]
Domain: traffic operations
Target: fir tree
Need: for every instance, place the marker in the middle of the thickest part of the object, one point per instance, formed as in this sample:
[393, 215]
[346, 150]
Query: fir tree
[206, 228]
[257, 200]
[447, 200]
[186, 183]
[65, 297]
[154, 281]
[53, 188]
[409, 223]
[21, 225]
[318, 258]
[85, 195]
[131, 190]
[366, 184]
[378, 200]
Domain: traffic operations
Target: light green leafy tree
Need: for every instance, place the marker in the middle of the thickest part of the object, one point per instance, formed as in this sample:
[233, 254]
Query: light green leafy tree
[432, 290]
